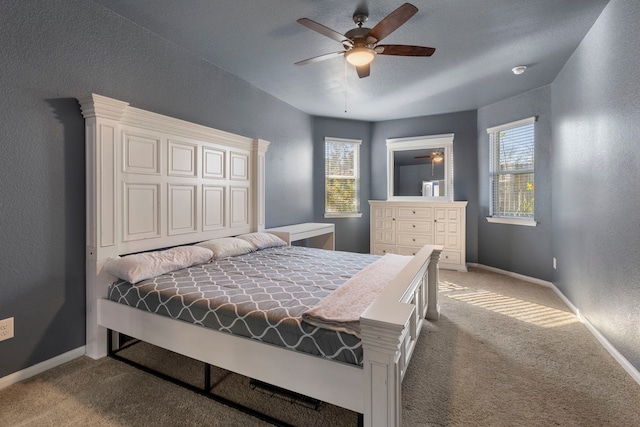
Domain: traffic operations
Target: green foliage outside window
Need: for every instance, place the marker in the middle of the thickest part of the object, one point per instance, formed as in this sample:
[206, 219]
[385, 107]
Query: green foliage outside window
[340, 195]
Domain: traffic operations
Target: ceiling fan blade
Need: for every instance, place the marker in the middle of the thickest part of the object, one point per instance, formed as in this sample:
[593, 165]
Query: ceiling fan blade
[404, 50]
[363, 70]
[325, 31]
[394, 20]
[320, 58]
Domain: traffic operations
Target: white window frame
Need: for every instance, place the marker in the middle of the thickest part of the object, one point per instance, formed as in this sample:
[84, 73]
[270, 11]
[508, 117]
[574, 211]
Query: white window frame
[356, 168]
[494, 166]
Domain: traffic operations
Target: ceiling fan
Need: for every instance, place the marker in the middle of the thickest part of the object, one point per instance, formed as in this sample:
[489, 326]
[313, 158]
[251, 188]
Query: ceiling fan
[435, 156]
[361, 43]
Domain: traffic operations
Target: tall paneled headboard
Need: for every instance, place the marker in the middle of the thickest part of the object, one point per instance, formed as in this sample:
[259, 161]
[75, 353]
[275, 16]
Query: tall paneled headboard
[154, 181]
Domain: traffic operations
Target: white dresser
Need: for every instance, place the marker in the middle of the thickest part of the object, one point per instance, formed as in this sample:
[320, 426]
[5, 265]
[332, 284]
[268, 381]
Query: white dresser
[404, 227]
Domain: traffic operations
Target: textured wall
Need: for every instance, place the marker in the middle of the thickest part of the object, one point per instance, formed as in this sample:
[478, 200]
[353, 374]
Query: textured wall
[520, 249]
[352, 234]
[596, 198]
[463, 125]
[53, 52]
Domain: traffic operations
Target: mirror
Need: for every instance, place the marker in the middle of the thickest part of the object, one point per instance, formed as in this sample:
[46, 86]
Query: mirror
[420, 168]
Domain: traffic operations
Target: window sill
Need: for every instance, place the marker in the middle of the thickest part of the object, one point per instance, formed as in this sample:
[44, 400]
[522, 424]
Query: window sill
[343, 214]
[512, 221]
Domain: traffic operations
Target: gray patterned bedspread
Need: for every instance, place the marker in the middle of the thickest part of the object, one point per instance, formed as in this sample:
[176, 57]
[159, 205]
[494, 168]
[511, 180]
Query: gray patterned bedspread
[261, 295]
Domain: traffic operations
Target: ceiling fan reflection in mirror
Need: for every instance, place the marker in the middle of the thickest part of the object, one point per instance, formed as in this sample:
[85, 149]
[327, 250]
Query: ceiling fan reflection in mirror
[435, 156]
[361, 43]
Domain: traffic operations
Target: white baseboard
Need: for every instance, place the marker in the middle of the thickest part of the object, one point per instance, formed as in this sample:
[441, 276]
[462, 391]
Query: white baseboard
[514, 275]
[622, 361]
[41, 367]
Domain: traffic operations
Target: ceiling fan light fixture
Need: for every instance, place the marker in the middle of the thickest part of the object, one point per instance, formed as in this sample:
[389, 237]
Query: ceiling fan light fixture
[359, 56]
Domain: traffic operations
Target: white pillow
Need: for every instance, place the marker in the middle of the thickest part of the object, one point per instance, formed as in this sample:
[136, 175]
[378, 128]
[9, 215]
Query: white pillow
[137, 267]
[227, 246]
[262, 240]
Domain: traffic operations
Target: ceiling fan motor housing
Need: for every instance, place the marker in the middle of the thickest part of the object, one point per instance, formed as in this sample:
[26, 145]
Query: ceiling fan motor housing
[360, 38]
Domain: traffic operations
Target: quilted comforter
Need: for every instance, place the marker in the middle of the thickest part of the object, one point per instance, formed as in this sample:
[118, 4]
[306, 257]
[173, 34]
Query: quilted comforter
[261, 295]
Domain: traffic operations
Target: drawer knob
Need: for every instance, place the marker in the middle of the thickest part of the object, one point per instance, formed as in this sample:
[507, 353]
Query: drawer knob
[414, 240]
[414, 226]
[414, 211]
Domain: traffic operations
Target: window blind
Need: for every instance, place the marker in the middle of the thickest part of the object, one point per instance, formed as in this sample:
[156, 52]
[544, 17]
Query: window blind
[512, 169]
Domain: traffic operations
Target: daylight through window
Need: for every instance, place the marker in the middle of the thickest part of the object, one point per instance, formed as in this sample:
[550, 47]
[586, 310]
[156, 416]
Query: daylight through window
[342, 172]
[512, 170]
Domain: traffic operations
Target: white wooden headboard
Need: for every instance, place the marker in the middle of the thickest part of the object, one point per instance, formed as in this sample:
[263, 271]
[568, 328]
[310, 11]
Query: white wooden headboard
[154, 181]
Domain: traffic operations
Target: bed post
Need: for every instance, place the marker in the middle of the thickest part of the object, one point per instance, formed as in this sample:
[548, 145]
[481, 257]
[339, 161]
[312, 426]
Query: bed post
[390, 327]
[258, 184]
[433, 279]
[382, 372]
[101, 135]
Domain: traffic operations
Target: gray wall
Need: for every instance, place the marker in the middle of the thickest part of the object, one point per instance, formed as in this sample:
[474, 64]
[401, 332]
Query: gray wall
[596, 193]
[520, 249]
[463, 125]
[352, 234]
[55, 51]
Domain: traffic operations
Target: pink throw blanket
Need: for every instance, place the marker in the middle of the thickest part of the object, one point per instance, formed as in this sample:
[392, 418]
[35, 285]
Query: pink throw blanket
[341, 310]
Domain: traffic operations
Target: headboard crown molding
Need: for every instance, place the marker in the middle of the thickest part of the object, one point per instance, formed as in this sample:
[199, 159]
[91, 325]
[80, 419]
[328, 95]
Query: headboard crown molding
[260, 145]
[100, 106]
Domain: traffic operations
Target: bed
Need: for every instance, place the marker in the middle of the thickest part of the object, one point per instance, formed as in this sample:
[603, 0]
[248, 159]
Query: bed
[156, 182]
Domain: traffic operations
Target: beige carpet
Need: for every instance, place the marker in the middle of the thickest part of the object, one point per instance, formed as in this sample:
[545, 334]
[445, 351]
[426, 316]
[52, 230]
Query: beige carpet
[504, 353]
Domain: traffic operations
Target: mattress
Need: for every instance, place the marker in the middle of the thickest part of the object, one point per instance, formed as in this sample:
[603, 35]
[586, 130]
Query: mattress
[261, 295]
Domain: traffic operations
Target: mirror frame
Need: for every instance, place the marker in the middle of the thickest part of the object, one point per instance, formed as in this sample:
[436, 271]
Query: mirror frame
[422, 142]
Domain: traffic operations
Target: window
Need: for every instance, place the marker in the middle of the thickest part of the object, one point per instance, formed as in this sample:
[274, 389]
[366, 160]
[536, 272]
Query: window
[512, 172]
[342, 177]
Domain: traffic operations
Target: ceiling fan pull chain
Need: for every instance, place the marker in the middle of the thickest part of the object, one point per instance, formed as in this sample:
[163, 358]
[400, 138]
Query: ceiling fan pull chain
[345, 86]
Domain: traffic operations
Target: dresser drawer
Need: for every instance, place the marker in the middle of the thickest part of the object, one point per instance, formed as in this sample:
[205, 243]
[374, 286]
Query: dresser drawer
[413, 240]
[406, 250]
[450, 257]
[407, 226]
[415, 213]
[383, 250]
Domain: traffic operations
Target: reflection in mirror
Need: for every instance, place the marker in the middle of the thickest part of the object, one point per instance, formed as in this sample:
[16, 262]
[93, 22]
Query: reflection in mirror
[419, 172]
[420, 167]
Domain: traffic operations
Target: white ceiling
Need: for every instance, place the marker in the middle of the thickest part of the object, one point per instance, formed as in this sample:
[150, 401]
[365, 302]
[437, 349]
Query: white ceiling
[477, 44]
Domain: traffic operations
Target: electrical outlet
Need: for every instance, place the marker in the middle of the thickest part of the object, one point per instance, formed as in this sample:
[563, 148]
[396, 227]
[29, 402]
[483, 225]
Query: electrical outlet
[6, 329]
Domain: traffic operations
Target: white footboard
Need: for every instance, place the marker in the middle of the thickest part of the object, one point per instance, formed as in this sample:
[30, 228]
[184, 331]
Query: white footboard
[390, 329]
